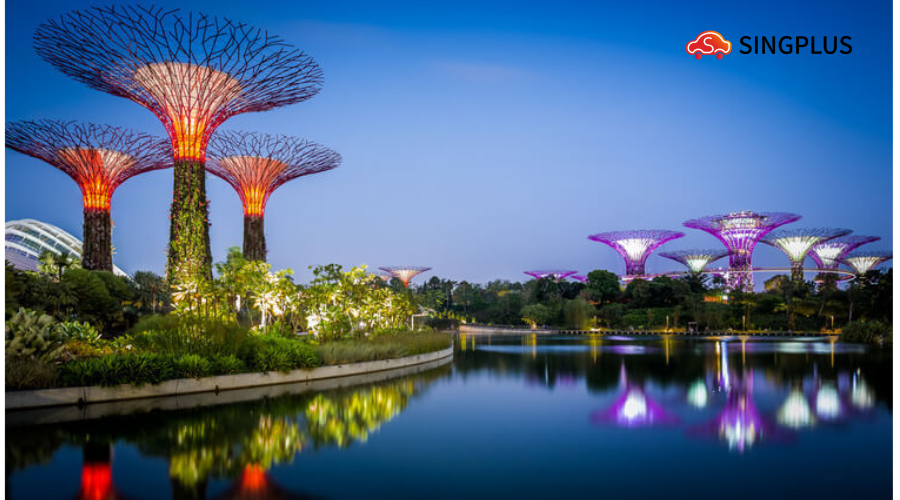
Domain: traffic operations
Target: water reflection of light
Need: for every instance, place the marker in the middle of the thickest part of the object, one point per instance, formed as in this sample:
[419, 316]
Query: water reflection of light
[696, 395]
[795, 412]
[635, 407]
[860, 394]
[828, 402]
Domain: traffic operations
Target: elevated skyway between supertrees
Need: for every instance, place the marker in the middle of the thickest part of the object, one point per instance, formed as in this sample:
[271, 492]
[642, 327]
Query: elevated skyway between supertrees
[797, 242]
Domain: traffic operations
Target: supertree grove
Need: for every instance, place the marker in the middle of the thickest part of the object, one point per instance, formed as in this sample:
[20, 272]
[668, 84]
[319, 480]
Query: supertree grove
[257, 164]
[556, 275]
[405, 273]
[636, 246]
[193, 72]
[864, 261]
[796, 243]
[828, 254]
[739, 232]
[695, 260]
[98, 158]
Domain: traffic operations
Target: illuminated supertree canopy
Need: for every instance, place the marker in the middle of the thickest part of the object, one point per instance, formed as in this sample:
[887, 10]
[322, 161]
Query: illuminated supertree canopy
[555, 274]
[739, 232]
[695, 260]
[864, 261]
[796, 243]
[98, 158]
[828, 254]
[635, 246]
[256, 165]
[405, 273]
[193, 72]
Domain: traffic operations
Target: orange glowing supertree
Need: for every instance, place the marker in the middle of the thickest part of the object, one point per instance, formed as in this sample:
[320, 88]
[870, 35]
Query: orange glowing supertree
[98, 158]
[193, 72]
[256, 165]
[405, 273]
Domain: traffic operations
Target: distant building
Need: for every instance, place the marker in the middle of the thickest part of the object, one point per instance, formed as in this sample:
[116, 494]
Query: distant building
[27, 239]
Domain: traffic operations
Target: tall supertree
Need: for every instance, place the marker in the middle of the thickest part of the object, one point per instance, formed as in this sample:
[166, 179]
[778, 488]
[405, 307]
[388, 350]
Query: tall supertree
[193, 72]
[739, 232]
[828, 254]
[863, 261]
[796, 243]
[405, 273]
[256, 165]
[695, 260]
[556, 275]
[98, 158]
[635, 246]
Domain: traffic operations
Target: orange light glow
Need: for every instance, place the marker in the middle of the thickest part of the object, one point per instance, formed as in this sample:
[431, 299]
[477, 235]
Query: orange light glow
[256, 177]
[253, 478]
[96, 481]
[194, 99]
[95, 171]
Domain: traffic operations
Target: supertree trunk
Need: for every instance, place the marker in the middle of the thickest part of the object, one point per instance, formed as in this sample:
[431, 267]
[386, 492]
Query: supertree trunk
[254, 238]
[97, 251]
[797, 273]
[190, 257]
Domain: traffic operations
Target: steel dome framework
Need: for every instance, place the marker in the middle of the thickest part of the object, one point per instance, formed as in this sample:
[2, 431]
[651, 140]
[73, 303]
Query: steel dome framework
[797, 242]
[864, 261]
[828, 254]
[695, 260]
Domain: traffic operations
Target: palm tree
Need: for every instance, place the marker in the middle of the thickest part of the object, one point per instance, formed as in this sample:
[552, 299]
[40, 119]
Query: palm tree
[53, 263]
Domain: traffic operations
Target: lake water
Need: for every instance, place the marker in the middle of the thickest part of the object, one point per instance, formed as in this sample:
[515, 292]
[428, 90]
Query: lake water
[511, 417]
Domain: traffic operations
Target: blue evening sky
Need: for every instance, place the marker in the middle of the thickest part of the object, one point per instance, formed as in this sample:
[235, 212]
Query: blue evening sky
[484, 139]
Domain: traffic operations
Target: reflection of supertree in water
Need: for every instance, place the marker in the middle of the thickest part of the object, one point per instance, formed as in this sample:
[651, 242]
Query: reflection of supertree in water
[193, 72]
[633, 408]
[555, 274]
[254, 483]
[99, 158]
[695, 260]
[635, 246]
[96, 474]
[864, 261]
[256, 165]
[796, 244]
[739, 232]
[828, 254]
[827, 402]
[796, 412]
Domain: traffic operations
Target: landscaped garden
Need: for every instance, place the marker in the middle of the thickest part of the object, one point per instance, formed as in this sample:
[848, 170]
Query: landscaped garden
[67, 326]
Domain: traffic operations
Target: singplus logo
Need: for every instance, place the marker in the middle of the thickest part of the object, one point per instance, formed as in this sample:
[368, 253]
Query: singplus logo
[713, 43]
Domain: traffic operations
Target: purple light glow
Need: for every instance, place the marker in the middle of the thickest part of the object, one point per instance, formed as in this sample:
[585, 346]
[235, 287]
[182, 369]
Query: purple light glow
[634, 408]
[635, 246]
[796, 244]
[557, 275]
[580, 278]
[695, 260]
[739, 232]
[828, 254]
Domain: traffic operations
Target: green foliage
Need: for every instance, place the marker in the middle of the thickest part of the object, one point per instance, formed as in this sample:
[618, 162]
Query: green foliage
[25, 374]
[537, 314]
[227, 364]
[603, 286]
[382, 346]
[191, 366]
[33, 336]
[578, 314]
[868, 331]
[136, 369]
[84, 332]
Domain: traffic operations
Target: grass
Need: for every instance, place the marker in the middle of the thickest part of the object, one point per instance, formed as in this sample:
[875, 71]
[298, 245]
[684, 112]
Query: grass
[387, 346]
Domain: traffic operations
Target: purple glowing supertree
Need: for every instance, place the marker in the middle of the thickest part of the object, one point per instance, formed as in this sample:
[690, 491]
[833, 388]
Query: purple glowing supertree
[557, 275]
[635, 246]
[739, 232]
[695, 260]
[796, 243]
[580, 278]
[405, 273]
[864, 261]
[828, 254]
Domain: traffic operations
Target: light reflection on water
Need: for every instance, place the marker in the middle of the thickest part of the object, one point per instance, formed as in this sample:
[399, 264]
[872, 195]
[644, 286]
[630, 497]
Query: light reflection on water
[603, 404]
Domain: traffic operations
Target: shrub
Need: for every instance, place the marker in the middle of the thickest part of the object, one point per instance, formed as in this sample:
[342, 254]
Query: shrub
[30, 335]
[84, 332]
[227, 365]
[191, 366]
[22, 374]
[137, 369]
[869, 331]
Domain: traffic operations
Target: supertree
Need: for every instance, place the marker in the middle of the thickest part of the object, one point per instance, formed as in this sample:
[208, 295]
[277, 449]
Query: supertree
[635, 246]
[405, 273]
[257, 164]
[739, 232]
[828, 254]
[193, 72]
[695, 260]
[864, 261]
[797, 242]
[556, 275]
[98, 158]
[580, 278]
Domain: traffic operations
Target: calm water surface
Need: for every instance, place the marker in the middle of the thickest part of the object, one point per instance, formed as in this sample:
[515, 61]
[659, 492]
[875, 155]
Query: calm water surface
[511, 417]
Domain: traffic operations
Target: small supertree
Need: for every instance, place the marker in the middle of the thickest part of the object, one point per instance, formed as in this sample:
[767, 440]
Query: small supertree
[864, 261]
[193, 72]
[98, 158]
[739, 232]
[580, 278]
[405, 273]
[635, 246]
[695, 260]
[256, 165]
[828, 254]
[556, 275]
[796, 243]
